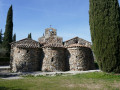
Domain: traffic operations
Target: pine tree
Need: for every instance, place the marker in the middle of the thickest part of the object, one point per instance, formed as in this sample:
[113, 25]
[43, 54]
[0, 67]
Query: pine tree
[14, 37]
[8, 30]
[1, 36]
[30, 36]
[105, 33]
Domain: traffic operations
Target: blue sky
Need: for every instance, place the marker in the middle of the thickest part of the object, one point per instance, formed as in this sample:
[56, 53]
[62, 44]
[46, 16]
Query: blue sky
[69, 17]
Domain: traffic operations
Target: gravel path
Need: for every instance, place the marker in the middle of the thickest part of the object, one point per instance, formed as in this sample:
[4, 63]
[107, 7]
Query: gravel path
[1, 67]
[9, 75]
[18, 75]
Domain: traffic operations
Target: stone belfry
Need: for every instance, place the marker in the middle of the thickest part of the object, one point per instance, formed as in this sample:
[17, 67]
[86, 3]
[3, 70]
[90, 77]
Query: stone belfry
[50, 36]
[49, 32]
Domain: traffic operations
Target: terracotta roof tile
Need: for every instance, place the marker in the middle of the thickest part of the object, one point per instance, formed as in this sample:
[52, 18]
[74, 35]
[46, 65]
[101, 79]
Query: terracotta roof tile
[53, 45]
[71, 39]
[26, 43]
[75, 45]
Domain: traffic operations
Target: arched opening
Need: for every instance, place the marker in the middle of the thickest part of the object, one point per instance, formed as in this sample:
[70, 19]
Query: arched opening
[76, 41]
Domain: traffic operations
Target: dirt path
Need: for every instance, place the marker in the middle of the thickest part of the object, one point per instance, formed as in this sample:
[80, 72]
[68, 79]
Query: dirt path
[8, 75]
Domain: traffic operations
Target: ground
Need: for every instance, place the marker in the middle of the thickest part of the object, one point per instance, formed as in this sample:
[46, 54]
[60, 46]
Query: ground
[86, 81]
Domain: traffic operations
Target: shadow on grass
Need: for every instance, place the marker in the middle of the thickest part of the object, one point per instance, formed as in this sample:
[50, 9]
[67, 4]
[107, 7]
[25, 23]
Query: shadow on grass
[96, 65]
[6, 76]
[6, 88]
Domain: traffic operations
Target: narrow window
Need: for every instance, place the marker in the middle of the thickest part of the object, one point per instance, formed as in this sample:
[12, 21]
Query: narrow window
[52, 59]
[27, 51]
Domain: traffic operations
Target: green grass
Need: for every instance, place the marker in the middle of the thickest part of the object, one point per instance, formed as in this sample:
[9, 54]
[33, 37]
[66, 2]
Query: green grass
[91, 81]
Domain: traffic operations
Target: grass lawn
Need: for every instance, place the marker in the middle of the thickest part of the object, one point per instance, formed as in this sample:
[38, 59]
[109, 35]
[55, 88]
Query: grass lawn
[91, 81]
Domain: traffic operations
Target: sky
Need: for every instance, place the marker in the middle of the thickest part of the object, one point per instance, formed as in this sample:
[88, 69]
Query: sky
[69, 17]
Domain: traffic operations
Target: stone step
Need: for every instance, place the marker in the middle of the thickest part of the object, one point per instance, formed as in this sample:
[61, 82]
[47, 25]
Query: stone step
[4, 68]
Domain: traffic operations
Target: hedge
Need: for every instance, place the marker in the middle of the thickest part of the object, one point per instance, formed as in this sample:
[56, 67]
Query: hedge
[3, 59]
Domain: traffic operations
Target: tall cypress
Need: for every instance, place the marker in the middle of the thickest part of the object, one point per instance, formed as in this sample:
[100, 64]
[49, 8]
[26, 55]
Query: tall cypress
[104, 19]
[30, 36]
[8, 30]
[1, 36]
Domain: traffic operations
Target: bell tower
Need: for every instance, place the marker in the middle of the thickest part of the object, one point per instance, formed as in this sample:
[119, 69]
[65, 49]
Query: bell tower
[50, 32]
[50, 37]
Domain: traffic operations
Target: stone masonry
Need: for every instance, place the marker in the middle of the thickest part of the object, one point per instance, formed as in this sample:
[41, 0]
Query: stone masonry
[50, 53]
[54, 59]
[80, 58]
[25, 56]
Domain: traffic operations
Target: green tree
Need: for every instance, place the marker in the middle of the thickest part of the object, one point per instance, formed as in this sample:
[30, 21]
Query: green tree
[1, 39]
[104, 20]
[30, 36]
[1, 36]
[8, 30]
[14, 37]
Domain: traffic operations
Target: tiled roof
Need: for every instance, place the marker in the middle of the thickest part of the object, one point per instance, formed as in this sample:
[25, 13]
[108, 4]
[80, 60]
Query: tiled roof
[75, 45]
[71, 39]
[26, 43]
[56, 45]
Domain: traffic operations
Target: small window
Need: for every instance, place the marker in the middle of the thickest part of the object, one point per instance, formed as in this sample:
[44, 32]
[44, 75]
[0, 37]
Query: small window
[52, 60]
[76, 41]
[27, 51]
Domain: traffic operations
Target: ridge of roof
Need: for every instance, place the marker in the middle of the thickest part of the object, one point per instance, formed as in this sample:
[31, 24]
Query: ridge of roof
[71, 39]
[27, 43]
[56, 45]
[75, 45]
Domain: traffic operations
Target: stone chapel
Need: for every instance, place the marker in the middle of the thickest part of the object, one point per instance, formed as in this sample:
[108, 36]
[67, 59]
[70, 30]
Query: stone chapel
[51, 54]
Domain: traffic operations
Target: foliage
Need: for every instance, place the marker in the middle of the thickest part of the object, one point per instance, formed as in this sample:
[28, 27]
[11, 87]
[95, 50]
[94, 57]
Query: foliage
[3, 52]
[96, 65]
[14, 37]
[1, 37]
[30, 36]
[8, 30]
[88, 81]
[105, 33]
[4, 59]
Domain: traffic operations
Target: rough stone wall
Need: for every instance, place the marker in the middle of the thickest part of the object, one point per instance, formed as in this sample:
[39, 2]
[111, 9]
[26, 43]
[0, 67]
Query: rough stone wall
[80, 59]
[50, 32]
[23, 60]
[52, 39]
[54, 59]
[84, 42]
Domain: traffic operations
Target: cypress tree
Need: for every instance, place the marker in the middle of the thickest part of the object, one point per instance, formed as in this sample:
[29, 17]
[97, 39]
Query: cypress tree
[1, 36]
[30, 36]
[8, 30]
[105, 33]
[14, 37]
